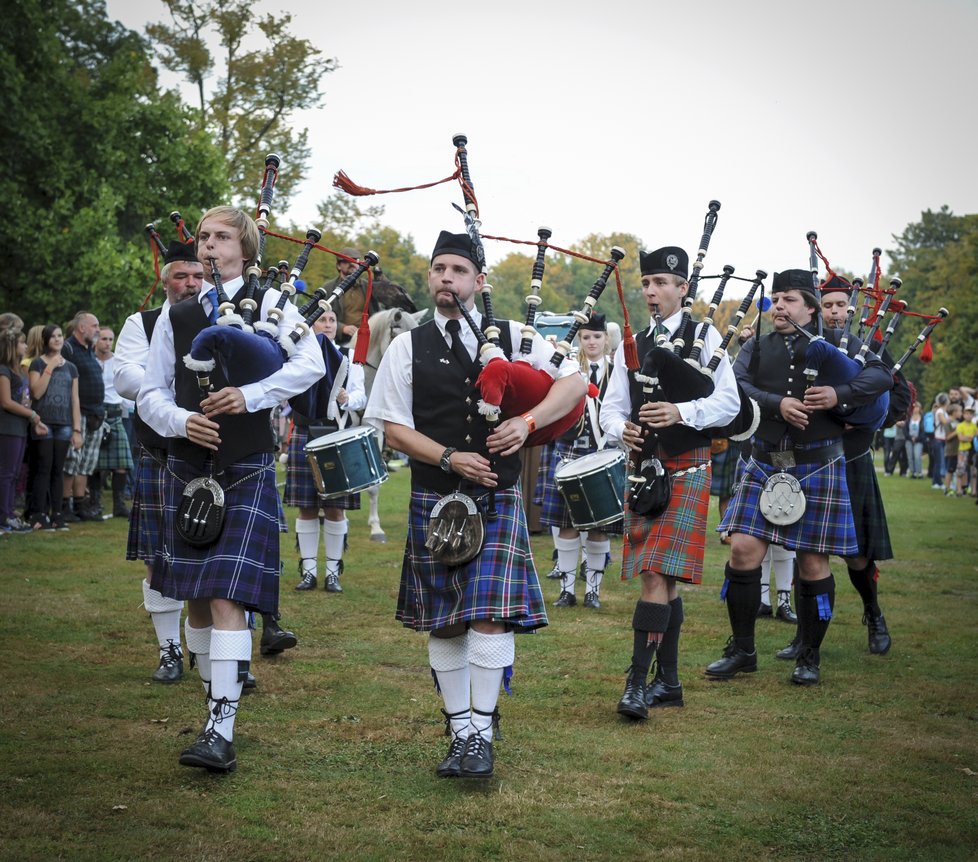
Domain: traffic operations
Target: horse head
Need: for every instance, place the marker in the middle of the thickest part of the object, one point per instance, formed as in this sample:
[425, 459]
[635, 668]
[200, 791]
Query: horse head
[385, 326]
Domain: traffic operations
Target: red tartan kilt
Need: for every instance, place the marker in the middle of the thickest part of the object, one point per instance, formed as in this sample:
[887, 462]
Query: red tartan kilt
[673, 544]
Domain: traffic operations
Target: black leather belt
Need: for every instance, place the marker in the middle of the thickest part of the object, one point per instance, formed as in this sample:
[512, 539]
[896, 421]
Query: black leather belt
[801, 456]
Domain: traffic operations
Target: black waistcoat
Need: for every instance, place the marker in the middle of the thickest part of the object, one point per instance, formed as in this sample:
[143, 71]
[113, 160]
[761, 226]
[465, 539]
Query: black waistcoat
[676, 438]
[783, 373]
[242, 434]
[446, 408]
[144, 434]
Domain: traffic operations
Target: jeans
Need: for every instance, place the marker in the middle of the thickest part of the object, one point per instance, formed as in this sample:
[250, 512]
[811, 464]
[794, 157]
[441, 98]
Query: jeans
[915, 456]
[11, 457]
[937, 462]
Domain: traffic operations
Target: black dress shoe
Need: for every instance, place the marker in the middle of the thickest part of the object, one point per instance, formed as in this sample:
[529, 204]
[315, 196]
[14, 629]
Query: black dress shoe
[555, 574]
[332, 583]
[658, 694]
[250, 683]
[451, 766]
[591, 600]
[734, 661]
[308, 582]
[212, 752]
[784, 611]
[764, 610]
[171, 665]
[565, 600]
[632, 703]
[879, 634]
[476, 759]
[806, 671]
[791, 651]
[275, 639]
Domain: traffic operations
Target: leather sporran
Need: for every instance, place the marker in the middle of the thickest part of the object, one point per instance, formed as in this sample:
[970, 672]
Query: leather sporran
[653, 491]
[456, 532]
[200, 515]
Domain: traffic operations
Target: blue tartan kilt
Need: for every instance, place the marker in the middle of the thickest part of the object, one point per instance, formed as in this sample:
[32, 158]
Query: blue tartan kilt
[500, 584]
[300, 487]
[116, 453]
[825, 528]
[545, 474]
[724, 471]
[868, 514]
[553, 509]
[243, 565]
[146, 518]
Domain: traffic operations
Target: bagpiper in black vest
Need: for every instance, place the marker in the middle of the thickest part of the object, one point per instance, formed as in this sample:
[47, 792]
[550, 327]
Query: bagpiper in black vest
[144, 434]
[241, 434]
[677, 438]
[446, 407]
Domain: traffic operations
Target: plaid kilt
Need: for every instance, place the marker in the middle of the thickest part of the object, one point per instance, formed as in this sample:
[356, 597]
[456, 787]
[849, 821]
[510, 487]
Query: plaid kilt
[243, 565]
[500, 584]
[116, 454]
[724, 471]
[146, 518]
[553, 509]
[82, 462]
[672, 544]
[545, 475]
[825, 528]
[868, 514]
[300, 487]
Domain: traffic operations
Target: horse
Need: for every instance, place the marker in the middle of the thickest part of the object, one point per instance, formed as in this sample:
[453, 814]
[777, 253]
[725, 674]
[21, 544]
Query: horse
[385, 326]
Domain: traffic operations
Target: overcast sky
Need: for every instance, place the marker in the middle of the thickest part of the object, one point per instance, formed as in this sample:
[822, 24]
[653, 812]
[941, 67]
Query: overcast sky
[847, 118]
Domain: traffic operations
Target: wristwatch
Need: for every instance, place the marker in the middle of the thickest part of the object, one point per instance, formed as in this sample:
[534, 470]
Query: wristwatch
[446, 463]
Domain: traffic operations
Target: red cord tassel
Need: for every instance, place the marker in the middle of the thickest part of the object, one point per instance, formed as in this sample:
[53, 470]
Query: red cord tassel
[878, 335]
[363, 333]
[630, 349]
[343, 182]
[927, 352]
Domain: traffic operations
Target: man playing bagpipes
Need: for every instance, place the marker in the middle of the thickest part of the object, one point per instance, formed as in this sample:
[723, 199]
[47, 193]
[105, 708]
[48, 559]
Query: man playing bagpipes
[223, 515]
[868, 513]
[471, 584]
[667, 546]
[793, 492]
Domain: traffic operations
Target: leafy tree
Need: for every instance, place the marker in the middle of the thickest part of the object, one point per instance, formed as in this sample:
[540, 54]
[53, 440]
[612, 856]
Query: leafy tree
[92, 152]
[250, 109]
[937, 259]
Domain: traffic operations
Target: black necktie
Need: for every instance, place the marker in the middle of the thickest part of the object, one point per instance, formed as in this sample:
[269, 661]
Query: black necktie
[594, 373]
[454, 329]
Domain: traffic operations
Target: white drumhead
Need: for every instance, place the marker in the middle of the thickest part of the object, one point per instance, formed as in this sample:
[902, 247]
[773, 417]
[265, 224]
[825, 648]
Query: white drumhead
[339, 437]
[586, 464]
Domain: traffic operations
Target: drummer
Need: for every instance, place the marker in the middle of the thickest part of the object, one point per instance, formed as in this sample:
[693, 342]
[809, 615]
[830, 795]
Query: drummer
[583, 439]
[668, 548]
[300, 487]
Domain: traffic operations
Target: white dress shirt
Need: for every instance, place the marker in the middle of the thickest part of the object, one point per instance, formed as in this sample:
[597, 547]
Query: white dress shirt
[156, 401]
[131, 355]
[392, 395]
[717, 409]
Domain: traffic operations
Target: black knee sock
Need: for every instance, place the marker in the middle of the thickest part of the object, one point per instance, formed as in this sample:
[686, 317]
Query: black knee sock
[864, 580]
[816, 600]
[668, 655]
[649, 623]
[743, 596]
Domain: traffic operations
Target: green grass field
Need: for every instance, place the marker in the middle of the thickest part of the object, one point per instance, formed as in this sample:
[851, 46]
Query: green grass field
[336, 748]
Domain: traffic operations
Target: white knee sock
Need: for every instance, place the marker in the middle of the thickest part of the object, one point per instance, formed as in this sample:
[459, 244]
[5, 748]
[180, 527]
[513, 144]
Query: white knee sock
[307, 537]
[449, 659]
[597, 558]
[489, 656]
[228, 650]
[199, 646]
[568, 553]
[766, 577]
[334, 534]
[783, 563]
[165, 614]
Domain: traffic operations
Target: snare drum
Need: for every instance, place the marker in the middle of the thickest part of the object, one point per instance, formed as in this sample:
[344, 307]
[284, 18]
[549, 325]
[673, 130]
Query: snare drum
[593, 487]
[346, 461]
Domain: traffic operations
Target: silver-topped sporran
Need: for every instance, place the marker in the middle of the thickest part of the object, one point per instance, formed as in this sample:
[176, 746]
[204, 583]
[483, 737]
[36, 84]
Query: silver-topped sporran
[346, 461]
[593, 487]
[456, 531]
[782, 501]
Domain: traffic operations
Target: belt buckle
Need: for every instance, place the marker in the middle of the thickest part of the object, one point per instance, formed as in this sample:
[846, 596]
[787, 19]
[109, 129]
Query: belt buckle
[784, 460]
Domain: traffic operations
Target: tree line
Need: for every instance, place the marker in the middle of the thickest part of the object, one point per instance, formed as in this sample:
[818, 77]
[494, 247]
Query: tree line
[96, 148]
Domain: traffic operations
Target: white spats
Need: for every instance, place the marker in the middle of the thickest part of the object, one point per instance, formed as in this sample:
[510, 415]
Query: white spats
[334, 536]
[229, 649]
[307, 537]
